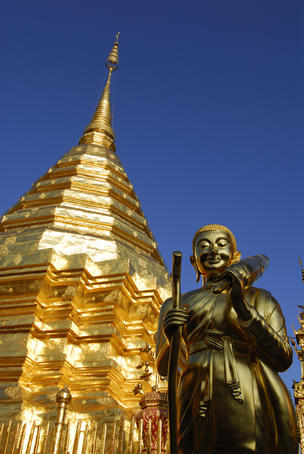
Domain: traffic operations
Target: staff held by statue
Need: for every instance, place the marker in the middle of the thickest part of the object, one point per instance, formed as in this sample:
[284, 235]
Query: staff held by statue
[174, 352]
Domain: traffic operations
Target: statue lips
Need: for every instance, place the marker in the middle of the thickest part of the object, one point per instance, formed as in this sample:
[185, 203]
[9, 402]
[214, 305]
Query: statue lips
[211, 260]
[214, 261]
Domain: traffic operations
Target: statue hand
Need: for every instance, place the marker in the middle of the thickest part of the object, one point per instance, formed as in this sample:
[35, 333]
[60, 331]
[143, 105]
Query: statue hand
[173, 320]
[238, 300]
[223, 282]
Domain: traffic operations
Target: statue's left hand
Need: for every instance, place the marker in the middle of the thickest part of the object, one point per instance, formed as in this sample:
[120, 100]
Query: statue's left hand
[229, 282]
[223, 282]
[238, 300]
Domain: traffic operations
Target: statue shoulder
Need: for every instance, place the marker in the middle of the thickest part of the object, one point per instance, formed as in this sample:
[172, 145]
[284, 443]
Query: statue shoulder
[261, 292]
[262, 300]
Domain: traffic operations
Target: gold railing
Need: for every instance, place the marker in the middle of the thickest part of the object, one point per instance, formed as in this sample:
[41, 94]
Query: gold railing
[70, 436]
[106, 438]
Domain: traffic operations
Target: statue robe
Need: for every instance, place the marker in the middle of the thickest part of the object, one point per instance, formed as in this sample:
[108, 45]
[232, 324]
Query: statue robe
[230, 396]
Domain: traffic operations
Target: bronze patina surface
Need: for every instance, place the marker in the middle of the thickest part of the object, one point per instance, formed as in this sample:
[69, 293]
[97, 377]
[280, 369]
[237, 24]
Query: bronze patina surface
[230, 397]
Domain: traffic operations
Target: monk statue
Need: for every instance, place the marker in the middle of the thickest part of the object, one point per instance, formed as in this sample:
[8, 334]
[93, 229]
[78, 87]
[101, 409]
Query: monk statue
[230, 398]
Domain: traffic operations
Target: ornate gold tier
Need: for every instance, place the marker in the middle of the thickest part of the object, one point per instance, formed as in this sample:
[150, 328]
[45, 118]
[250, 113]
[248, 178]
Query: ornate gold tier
[81, 284]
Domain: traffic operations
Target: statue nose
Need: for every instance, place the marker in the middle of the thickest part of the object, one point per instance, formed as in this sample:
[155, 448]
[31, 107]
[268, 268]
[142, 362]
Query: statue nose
[213, 248]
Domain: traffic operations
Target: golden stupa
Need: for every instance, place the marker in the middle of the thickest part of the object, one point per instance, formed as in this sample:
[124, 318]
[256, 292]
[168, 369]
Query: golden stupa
[81, 286]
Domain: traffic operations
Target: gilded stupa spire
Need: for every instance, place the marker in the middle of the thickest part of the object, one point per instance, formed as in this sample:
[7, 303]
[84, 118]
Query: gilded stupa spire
[99, 131]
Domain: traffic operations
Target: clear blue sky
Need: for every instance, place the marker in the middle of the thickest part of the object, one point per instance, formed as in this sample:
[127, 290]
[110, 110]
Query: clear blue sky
[208, 112]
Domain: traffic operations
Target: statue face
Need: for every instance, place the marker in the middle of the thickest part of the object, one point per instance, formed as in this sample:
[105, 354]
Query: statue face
[212, 251]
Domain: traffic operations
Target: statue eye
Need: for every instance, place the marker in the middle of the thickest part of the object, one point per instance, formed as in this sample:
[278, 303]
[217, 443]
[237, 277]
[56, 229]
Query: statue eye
[203, 244]
[222, 243]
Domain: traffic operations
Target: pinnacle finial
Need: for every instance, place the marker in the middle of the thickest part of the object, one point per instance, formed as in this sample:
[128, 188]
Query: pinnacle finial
[99, 131]
[112, 60]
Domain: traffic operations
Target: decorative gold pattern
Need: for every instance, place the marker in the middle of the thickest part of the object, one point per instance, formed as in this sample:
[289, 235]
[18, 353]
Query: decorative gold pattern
[299, 386]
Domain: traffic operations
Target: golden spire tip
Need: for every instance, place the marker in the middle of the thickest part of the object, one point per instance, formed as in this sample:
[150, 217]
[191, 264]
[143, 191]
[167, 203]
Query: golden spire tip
[99, 131]
[112, 60]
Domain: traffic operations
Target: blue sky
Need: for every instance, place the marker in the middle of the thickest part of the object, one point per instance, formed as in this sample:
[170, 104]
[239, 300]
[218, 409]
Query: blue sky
[208, 112]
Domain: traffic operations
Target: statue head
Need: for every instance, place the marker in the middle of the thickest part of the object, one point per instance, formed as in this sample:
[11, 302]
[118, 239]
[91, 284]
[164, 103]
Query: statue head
[214, 249]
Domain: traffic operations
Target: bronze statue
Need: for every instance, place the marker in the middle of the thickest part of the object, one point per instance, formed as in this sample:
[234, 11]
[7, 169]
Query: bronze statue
[230, 398]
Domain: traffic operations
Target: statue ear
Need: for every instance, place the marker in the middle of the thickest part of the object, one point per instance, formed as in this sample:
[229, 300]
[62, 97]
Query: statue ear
[197, 271]
[236, 257]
